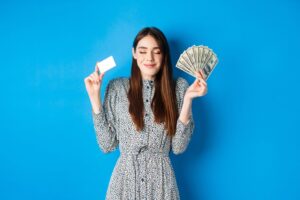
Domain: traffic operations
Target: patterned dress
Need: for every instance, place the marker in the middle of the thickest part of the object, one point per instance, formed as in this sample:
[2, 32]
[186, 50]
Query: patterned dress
[143, 169]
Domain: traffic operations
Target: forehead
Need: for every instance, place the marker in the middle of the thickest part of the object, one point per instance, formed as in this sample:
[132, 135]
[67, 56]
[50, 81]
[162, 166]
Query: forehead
[148, 42]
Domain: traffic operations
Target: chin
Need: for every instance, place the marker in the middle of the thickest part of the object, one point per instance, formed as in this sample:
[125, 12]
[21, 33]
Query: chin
[151, 73]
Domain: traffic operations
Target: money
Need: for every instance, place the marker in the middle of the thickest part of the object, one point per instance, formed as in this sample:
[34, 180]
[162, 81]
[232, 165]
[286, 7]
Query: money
[198, 58]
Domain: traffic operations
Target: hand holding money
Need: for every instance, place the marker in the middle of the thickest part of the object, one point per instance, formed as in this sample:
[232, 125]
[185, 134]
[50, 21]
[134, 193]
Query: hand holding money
[198, 88]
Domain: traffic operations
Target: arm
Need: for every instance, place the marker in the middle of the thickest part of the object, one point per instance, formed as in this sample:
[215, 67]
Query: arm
[185, 122]
[105, 121]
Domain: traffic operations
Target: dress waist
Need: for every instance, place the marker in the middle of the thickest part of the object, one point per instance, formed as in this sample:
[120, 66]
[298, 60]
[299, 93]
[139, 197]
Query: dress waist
[145, 152]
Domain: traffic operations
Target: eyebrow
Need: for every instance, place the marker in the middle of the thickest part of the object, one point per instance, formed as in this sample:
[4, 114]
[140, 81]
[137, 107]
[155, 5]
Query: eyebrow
[142, 47]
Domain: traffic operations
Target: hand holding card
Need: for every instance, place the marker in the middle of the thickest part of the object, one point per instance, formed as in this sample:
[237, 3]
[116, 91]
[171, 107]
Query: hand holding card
[106, 64]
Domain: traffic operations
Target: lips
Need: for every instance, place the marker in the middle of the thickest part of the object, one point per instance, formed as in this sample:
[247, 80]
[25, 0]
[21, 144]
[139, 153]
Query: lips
[149, 65]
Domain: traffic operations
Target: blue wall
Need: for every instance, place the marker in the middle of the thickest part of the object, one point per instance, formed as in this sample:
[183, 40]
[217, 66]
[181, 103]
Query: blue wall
[246, 144]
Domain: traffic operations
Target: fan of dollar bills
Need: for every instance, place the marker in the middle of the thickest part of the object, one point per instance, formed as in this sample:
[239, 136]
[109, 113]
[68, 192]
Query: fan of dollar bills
[197, 58]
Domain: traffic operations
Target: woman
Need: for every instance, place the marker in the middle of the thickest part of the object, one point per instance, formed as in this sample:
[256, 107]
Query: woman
[146, 115]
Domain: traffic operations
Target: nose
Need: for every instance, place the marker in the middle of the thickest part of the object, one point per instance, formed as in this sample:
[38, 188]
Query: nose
[149, 56]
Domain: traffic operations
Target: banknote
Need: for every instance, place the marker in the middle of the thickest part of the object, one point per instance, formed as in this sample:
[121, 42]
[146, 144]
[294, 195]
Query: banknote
[198, 58]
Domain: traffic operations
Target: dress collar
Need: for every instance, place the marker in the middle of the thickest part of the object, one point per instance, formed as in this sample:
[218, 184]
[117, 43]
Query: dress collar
[148, 82]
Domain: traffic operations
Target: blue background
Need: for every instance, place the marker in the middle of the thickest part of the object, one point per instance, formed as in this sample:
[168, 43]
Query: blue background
[246, 143]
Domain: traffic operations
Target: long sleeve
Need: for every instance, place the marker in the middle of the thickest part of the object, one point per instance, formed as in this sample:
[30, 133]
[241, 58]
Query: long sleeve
[183, 132]
[105, 122]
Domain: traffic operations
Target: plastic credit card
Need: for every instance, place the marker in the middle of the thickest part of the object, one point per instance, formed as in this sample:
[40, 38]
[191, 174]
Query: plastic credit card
[106, 64]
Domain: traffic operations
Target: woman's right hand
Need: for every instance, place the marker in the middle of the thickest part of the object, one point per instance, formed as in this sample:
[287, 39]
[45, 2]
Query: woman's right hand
[93, 84]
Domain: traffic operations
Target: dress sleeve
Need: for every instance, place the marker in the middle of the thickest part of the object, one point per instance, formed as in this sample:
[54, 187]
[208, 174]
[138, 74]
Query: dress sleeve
[183, 132]
[105, 122]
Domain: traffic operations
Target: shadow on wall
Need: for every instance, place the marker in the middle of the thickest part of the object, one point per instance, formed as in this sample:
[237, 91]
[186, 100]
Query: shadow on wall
[184, 163]
[189, 163]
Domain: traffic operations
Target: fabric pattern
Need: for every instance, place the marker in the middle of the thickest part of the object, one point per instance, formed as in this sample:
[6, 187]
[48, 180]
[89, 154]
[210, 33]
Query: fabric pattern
[144, 169]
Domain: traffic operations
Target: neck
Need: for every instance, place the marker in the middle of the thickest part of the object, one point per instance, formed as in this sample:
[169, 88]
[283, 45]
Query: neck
[148, 78]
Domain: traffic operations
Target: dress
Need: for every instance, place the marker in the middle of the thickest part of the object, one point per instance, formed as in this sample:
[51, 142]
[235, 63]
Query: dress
[143, 169]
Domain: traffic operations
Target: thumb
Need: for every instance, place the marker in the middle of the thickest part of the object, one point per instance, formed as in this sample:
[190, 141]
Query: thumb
[196, 82]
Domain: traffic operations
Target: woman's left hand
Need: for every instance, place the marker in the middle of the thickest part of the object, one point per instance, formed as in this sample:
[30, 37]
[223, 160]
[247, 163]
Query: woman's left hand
[198, 88]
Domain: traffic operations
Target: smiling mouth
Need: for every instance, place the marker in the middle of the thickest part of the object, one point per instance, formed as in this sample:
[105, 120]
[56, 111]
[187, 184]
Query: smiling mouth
[149, 65]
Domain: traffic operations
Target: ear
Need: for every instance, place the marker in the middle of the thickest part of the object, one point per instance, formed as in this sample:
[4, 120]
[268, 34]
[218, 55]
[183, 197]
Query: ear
[133, 53]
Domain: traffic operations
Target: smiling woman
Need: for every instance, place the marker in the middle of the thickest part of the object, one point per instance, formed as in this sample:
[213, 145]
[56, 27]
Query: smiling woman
[145, 115]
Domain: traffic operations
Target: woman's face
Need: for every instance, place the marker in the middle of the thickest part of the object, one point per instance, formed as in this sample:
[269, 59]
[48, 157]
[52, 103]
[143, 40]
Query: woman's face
[148, 57]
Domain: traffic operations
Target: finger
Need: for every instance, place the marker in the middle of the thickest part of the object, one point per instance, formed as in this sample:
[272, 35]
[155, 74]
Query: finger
[202, 80]
[198, 74]
[198, 77]
[97, 78]
[94, 77]
[89, 79]
[197, 81]
[198, 84]
[201, 73]
[101, 76]
[203, 85]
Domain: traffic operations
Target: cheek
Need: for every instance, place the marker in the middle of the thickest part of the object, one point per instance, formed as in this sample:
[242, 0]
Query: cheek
[158, 58]
[139, 59]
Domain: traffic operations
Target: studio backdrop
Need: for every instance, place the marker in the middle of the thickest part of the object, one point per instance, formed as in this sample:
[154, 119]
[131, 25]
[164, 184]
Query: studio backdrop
[246, 141]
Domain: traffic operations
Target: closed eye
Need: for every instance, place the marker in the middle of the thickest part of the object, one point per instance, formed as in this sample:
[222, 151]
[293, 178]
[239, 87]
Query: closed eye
[144, 52]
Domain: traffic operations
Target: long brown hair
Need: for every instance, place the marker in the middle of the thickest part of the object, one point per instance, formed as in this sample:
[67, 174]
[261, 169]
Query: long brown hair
[164, 104]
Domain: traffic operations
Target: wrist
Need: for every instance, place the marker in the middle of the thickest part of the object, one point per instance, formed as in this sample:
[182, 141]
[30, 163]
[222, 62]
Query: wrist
[96, 105]
[187, 99]
[96, 109]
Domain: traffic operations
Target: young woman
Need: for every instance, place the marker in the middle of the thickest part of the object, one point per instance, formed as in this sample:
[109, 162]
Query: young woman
[145, 115]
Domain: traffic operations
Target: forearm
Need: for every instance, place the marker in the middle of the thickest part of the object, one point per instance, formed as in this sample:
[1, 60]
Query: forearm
[105, 132]
[184, 128]
[96, 105]
[186, 110]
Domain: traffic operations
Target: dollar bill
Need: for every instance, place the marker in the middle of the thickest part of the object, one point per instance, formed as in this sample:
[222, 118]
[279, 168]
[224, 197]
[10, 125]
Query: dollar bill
[198, 58]
[183, 68]
[183, 65]
[190, 54]
[187, 59]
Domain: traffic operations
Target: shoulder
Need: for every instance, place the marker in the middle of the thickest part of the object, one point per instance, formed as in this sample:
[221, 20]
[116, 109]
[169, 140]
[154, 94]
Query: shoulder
[117, 85]
[118, 82]
[181, 87]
